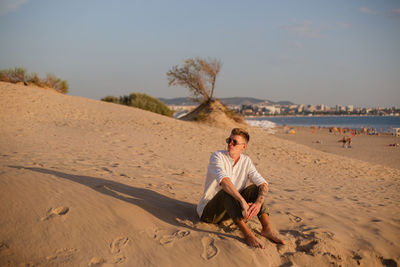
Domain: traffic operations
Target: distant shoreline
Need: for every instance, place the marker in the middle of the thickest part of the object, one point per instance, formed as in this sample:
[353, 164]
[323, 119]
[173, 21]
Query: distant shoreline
[376, 124]
[319, 115]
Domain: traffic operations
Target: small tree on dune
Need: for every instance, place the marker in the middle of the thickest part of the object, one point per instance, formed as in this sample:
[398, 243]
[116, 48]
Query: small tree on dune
[198, 75]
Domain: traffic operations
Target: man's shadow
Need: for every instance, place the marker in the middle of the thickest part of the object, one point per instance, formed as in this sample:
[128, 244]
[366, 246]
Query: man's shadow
[166, 209]
[174, 212]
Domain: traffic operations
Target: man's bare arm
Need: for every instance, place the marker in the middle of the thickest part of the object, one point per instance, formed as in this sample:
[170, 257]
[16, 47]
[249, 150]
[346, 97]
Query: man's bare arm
[262, 193]
[255, 208]
[229, 188]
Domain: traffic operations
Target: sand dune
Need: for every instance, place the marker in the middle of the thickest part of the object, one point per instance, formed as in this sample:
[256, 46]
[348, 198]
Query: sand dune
[88, 183]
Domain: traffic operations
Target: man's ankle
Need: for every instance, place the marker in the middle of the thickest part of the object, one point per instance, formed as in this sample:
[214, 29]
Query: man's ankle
[266, 229]
[244, 228]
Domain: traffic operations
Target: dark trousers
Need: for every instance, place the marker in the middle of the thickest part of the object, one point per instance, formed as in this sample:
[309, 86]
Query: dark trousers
[223, 206]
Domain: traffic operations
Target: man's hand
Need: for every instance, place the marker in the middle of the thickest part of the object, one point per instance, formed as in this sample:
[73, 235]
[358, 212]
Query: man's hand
[248, 209]
[229, 188]
[245, 208]
[254, 209]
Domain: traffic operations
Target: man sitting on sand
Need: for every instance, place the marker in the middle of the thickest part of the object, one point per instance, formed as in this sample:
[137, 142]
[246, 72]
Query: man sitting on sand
[226, 195]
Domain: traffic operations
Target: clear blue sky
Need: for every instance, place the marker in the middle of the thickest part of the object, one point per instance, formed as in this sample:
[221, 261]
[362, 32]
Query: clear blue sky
[309, 52]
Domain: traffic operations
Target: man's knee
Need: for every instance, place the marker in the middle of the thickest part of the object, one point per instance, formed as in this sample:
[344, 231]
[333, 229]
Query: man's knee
[252, 188]
[250, 193]
[227, 198]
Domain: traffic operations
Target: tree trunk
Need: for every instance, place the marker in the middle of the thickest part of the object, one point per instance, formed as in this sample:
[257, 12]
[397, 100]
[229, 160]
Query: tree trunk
[212, 88]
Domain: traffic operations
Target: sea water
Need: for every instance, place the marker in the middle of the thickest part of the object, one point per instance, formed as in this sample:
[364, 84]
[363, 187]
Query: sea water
[380, 123]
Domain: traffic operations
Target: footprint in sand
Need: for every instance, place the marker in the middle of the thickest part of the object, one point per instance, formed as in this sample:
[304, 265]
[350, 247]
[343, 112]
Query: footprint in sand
[210, 250]
[117, 259]
[52, 212]
[99, 261]
[185, 222]
[4, 250]
[311, 243]
[63, 254]
[115, 248]
[170, 239]
[293, 217]
[96, 261]
[118, 244]
[106, 170]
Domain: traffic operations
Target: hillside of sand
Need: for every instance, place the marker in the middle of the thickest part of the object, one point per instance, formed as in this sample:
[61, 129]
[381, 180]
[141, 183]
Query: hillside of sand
[89, 183]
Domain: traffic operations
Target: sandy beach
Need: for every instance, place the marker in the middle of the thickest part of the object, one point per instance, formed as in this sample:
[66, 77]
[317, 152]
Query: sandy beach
[375, 149]
[89, 183]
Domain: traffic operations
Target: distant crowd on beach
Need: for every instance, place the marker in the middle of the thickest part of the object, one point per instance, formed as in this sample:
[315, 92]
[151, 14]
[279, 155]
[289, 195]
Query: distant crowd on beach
[347, 141]
[353, 132]
[344, 130]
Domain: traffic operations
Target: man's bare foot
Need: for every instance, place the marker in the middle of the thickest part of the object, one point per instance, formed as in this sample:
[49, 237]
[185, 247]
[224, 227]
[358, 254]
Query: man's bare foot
[253, 242]
[271, 235]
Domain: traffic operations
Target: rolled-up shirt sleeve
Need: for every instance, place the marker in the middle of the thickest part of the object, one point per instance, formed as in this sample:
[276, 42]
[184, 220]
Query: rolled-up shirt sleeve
[217, 168]
[254, 175]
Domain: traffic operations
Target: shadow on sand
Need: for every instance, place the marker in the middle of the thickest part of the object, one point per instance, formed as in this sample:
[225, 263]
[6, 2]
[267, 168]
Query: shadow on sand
[172, 211]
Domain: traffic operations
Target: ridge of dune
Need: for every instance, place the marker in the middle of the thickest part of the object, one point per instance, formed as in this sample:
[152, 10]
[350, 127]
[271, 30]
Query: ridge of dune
[90, 183]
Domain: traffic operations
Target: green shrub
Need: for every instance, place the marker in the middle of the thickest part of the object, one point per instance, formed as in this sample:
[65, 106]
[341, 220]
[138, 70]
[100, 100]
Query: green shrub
[141, 101]
[34, 79]
[13, 75]
[4, 76]
[111, 99]
[149, 103]
[17, 75]
[53, 81]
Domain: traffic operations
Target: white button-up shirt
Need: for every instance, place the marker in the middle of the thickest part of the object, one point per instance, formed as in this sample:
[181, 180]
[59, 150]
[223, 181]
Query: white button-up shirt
[222, 165]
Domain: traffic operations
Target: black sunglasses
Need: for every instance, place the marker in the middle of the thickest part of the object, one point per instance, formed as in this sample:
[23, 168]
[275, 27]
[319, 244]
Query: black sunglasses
[231, 140]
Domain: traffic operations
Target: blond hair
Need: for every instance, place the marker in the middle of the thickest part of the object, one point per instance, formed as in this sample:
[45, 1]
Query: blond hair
[242, 132]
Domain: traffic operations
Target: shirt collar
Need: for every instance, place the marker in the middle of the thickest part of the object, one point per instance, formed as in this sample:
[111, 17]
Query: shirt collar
[230, 158]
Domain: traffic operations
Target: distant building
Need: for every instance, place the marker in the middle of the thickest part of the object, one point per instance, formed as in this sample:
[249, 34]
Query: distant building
[267, 108]
[262, 104]
[366, 110]
[310, 108]
[247, 110]
[320, 108]
[350, 108]
[340, 108]
[271, 110]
